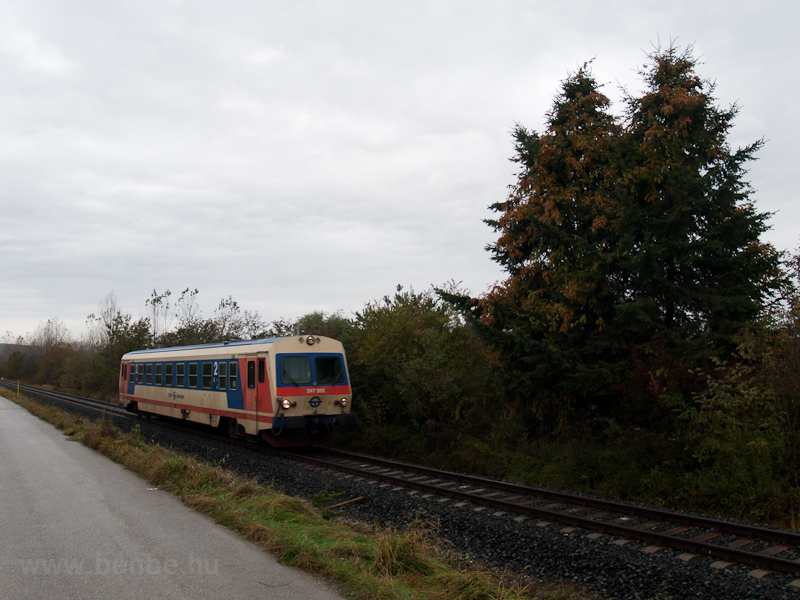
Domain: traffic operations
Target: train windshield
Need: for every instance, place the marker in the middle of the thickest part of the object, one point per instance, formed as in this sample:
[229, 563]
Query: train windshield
[295, 370]
[311, 370]
[329, 370]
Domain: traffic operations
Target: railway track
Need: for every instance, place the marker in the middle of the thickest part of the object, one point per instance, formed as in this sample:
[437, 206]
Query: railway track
[764, 549]
[103, 408]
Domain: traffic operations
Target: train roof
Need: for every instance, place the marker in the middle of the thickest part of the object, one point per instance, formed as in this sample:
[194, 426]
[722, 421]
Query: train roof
[235, 344]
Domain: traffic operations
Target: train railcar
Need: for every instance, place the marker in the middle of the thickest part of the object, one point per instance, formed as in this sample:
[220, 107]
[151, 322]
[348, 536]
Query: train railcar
[288, 391]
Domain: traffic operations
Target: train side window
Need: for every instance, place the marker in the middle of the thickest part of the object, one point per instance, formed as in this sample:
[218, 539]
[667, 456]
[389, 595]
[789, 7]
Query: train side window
[262, 370]
[223, 376]
[208, 375]
[148, 379]
[192, 375]
[233, 374]
[180, 374]
[139, 373]
[159, 369]
[124, 371]
[168, 374]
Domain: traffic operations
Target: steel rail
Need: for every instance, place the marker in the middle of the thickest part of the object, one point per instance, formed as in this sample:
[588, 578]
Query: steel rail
[741, 529]
[769, 563]
[42, 393]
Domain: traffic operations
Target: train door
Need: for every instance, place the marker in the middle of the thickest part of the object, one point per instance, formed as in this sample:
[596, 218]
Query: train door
[256, 388]
[123, 378]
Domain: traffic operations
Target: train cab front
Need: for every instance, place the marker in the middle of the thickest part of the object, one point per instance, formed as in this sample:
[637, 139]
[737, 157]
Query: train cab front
[313, 396]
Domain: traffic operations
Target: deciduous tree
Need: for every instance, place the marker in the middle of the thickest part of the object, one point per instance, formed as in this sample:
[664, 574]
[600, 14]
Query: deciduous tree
[415, 361]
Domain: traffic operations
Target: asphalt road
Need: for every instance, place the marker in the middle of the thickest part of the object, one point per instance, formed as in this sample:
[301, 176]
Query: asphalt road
[74, 525]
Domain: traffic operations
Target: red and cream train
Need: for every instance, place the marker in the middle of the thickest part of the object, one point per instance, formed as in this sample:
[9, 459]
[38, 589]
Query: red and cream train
[288, 391]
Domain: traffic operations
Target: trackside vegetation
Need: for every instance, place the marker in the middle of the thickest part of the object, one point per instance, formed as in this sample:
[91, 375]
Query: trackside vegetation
[365, 562]
[644, 345]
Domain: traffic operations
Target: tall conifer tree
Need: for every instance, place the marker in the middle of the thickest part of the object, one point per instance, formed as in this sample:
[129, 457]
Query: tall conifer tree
[632, 249]
[557, 242]
[696, 270]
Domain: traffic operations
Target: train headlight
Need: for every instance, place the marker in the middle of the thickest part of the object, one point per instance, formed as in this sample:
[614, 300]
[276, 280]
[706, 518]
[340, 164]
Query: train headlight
[343, 402]
[286, 403]
[310, 340]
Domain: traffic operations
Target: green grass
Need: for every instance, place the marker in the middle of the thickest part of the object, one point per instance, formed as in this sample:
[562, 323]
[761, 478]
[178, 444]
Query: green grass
[366, 562]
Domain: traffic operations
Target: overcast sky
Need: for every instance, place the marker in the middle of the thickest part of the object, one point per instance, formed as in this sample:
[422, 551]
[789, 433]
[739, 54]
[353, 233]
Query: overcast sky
[311, 155]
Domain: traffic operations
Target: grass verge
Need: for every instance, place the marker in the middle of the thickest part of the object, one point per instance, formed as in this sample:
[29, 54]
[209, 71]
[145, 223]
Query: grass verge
[367, 563]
